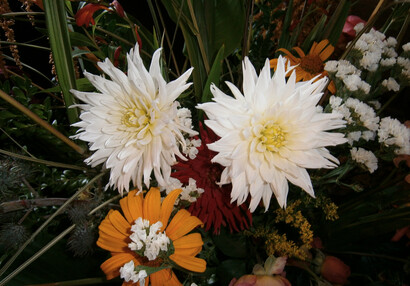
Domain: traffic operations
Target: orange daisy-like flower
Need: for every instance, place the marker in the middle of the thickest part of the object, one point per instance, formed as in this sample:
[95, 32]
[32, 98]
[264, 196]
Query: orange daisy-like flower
[117, 234]
[310, 65]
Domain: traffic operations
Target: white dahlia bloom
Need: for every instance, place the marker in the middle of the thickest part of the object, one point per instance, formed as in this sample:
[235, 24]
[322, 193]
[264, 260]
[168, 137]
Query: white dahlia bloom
[132, 123]
[271, 134]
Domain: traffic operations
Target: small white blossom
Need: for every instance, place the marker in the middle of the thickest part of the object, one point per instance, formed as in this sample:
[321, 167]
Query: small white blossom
[368, 135]
[388, 62]
[191, 192]
[366, 114]
[149, 236]
[184, 116]
[375, 103]
[393, 133]
[128, 273]
[353, 136]
[391, 42]
[358, 27]
[191, 148]
[391, 84]
[331, 66]
[367, 158]
[404, 62]
[406, 47]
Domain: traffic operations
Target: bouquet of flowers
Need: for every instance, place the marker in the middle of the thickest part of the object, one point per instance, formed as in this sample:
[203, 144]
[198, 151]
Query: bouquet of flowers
[181, 142]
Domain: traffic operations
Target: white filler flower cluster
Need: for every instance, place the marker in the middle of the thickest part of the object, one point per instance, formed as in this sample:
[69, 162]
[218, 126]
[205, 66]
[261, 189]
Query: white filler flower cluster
[271, 134]
[364, 157]
[189, 193]
[393, 133]
[133, 123]
[145, 237]
[128, 273]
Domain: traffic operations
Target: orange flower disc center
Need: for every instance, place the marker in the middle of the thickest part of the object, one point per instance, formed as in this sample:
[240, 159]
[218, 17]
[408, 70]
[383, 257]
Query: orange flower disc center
[312, 64]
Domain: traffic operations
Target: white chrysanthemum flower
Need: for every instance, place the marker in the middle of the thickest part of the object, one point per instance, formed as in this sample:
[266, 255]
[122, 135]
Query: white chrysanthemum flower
[270, 134]
[133, 124]
[364, 157]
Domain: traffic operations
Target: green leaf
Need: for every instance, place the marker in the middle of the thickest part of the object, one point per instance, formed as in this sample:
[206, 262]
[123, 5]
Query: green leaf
[61, 49]
[335, 26]
[78, 39]
[214, 75]
[83, 84]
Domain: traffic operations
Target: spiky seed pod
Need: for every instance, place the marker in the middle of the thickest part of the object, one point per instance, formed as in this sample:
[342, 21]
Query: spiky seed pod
[12, 235]
[82, 240]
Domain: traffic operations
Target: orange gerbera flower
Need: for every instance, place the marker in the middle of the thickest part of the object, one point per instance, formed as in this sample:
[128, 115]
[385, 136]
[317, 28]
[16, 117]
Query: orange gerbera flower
[310, 65]
[117, 234]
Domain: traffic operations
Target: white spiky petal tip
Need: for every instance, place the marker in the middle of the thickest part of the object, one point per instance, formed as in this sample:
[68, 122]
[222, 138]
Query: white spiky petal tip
[271, 134]
[132, 123]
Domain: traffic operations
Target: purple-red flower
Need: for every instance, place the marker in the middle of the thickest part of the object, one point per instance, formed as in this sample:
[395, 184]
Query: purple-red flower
[213, 207]
[84, 16]
[351, 22]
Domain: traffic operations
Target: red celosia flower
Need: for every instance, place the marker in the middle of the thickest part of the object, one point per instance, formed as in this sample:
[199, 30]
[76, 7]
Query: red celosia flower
[84, 16]
[213, 207]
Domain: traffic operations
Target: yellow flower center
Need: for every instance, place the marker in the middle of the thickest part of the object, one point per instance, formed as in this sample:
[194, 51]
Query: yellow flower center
[312, 64]
[131, 119]
[273, 136]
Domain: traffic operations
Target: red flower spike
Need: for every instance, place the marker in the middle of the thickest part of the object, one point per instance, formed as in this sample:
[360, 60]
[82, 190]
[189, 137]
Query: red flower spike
[118, 8]
[84, 16]
[138, 37]
[213, 207]
[117, 54]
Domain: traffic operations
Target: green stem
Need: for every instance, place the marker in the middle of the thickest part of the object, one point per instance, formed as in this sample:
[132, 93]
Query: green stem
[40, 121]
[25, 45]
[45, 162]
[37, 255]
[57, 212]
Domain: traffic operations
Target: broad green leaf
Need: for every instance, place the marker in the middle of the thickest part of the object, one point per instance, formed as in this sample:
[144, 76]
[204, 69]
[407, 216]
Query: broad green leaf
[334, 28]
[214, 75]
[61, 49]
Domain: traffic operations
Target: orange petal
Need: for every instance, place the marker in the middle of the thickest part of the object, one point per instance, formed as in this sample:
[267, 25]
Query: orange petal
[113, 244]
[164, 277]
[181, 224]
[313, 48]
[326, 53]
[332, 87]
[126, 210]
[273, 63]
[188, 241]
[107, 227]
[119, 222]
[188, 262]
[135, 203]
[111, 266]
[293, 60]
[299, 51]
[188, 251]
[152, 205]
[322, 44]
[167, 207]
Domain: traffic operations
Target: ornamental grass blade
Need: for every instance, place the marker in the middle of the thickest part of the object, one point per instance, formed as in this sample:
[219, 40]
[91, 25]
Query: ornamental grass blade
[56, 21]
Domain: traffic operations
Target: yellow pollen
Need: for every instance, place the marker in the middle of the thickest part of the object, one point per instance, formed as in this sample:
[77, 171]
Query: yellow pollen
[130, 119]
[312, 64]
[272, 137]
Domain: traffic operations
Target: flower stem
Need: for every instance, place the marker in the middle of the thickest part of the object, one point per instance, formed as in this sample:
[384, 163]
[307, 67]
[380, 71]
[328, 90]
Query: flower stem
[40, 121]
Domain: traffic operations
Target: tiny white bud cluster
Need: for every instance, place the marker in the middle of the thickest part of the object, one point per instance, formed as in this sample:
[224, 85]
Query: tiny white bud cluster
[393, 133]
[128, 273]
[356, 113]
[189, 193]
[190, 149]
[391, 84]
[146, 235]
[367, 158]
[349, 74]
